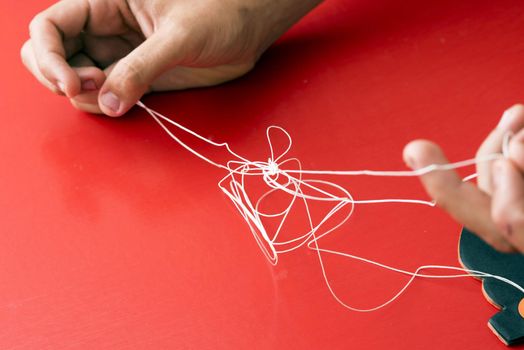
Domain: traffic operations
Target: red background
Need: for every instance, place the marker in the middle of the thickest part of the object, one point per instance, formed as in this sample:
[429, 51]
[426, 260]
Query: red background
[113, 237]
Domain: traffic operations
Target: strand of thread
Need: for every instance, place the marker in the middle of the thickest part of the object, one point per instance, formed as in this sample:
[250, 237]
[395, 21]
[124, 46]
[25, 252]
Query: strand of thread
[308, 191]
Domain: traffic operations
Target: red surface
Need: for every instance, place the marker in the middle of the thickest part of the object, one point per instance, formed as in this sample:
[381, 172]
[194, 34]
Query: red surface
[113, 237]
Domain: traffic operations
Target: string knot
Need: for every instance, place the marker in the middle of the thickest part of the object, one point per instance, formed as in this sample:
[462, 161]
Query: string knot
[272, 168]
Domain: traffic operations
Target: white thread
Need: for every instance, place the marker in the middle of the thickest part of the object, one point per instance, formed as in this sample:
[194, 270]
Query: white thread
[273, 172]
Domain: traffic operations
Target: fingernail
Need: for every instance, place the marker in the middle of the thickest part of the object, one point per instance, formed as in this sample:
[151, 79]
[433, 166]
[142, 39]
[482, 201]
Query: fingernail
[111, 101]
[61, 86]
[88, 85]
[505, 121]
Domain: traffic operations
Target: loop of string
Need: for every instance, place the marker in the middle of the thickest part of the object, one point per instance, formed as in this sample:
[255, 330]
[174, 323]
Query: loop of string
[286, 176]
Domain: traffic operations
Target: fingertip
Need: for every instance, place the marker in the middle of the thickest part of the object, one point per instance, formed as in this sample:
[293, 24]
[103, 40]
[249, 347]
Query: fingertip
[419, 153]
[111, 104]
[85, 107]
[512, 118]
[91, 78]
[106, 97]
[516, 108]
[87, 101]
[95, 96]
[410, 152]
[68, 83]
[25, 51]
[121, 90]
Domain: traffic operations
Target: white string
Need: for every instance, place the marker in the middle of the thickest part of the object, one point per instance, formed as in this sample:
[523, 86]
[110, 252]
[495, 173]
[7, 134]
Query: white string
[279, 176]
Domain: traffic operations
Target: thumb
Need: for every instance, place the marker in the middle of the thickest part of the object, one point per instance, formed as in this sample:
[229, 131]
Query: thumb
[132, 76]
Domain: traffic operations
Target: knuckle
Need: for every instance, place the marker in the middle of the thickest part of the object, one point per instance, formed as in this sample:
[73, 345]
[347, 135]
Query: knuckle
[179, 31]
[517, 114]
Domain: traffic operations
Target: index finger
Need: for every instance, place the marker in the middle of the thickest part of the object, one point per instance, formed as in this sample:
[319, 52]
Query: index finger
[462, 200]
[65, 19]
[512, 121]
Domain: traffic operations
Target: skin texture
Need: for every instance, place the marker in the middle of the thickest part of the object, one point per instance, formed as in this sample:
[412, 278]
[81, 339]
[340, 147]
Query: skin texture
[105, 54]
[494, 209]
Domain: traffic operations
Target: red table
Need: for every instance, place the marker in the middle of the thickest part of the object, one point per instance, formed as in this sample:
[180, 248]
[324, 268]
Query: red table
[113, 237]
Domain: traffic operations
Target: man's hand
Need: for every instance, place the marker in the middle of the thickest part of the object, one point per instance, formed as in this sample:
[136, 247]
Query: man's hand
[105, 54]
[495, 208]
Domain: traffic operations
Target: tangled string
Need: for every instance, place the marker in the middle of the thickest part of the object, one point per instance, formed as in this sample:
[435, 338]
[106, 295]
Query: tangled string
[283, 175]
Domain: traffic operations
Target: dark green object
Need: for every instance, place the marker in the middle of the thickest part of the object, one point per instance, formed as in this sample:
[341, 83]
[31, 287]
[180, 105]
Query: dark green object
[475, 254]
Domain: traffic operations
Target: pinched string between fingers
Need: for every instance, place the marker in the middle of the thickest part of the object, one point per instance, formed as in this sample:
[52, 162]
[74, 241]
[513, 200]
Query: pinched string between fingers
[283, 175]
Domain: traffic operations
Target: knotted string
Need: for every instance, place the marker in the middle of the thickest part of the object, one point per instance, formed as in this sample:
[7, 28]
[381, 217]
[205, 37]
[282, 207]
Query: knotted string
[285, 175]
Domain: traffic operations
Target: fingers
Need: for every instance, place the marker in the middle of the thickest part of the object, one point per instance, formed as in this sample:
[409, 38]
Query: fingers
[29, 60]
[63, 20]
[508, 196]
[105, 50]
[133, 75]
[508, 202]
[512, 121]
[462, 200]
[87, 102]
[92, 79]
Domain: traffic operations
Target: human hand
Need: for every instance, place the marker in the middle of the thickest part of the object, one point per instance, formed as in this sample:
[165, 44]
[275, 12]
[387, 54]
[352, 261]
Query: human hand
[105, 54]
[494, 209]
